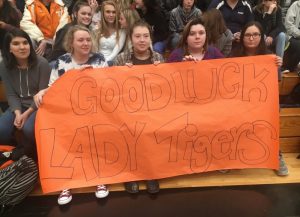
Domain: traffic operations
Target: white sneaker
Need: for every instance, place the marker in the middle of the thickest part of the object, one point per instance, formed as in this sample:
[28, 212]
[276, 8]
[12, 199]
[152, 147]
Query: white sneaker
[101, 191]
[65, 197]
[286, 71]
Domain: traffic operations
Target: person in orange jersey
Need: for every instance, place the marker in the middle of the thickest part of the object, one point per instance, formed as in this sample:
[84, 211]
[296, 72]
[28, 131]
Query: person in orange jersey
[41, 20]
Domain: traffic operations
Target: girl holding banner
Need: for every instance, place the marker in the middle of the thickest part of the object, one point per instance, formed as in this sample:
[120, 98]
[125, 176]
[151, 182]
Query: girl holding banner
[252, 44]
[193, 45]
[140, 54]
[79, 44]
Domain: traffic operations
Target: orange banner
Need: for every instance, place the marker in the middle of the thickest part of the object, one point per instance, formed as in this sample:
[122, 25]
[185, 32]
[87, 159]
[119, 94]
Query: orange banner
[111, 125]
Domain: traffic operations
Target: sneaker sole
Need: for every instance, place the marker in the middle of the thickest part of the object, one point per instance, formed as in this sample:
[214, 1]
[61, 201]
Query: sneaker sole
[65, 201]
[153, 192]
[102, 195]
[282, 174]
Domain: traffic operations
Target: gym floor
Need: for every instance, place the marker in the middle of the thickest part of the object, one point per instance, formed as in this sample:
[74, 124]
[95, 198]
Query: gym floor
[281, 200]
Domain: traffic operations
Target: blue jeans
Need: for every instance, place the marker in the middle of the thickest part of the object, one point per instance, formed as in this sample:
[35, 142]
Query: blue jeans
[279, 43]
[26, 141]
[292, 55]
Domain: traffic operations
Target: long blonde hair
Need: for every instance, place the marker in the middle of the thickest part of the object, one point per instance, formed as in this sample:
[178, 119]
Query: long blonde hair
[131, 16]
[103, 30]
[123, 4]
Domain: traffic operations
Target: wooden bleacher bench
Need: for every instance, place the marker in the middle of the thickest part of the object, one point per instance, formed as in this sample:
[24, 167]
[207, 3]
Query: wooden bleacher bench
[289, 145]
[288, 82]
[290, 130]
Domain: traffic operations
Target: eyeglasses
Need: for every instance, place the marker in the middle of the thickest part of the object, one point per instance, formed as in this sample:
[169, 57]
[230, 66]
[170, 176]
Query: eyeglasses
[254, 35]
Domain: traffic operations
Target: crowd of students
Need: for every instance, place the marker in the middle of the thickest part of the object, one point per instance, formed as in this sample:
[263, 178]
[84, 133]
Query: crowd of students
[43, 39]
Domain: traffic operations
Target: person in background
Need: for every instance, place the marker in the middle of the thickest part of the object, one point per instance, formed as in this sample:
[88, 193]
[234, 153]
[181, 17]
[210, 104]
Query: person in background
[151, 12]
[292, 25]
[41, 20]
[252, 41]
[268, 14]
[111, 37]
[127, 18]
[23, 74]
[252, 44]
[203, 4]
[79, 44]
[69, 4]
[141, 54]
[254, 2]
[179, 17]
[10, 18]
[285, 4]
[218, 34]
[193, 45]
[96, 19]
[236, 14]
[20, 4]
[81, 15]
[167, 6]
[124, 4]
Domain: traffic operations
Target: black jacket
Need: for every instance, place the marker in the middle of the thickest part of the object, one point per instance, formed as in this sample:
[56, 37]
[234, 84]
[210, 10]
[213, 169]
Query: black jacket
[158, 22]
[271, 23]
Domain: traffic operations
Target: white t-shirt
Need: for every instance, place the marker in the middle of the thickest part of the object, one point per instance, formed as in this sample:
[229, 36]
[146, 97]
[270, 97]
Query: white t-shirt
[109, 47]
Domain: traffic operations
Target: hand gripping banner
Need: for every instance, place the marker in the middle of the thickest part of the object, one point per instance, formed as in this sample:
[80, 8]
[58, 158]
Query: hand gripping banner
[117, 124]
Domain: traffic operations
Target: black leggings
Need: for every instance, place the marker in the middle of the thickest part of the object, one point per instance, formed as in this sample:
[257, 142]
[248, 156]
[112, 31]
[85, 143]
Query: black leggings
[292, 55]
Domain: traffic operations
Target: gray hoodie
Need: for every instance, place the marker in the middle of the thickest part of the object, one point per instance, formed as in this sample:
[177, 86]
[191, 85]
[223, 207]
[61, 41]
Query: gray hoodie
[22, 84]
[292, 20]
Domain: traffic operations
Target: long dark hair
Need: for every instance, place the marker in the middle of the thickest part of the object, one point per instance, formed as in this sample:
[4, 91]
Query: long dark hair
[79, 4]
[8, 14]
[8, 58]
[261, 48]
